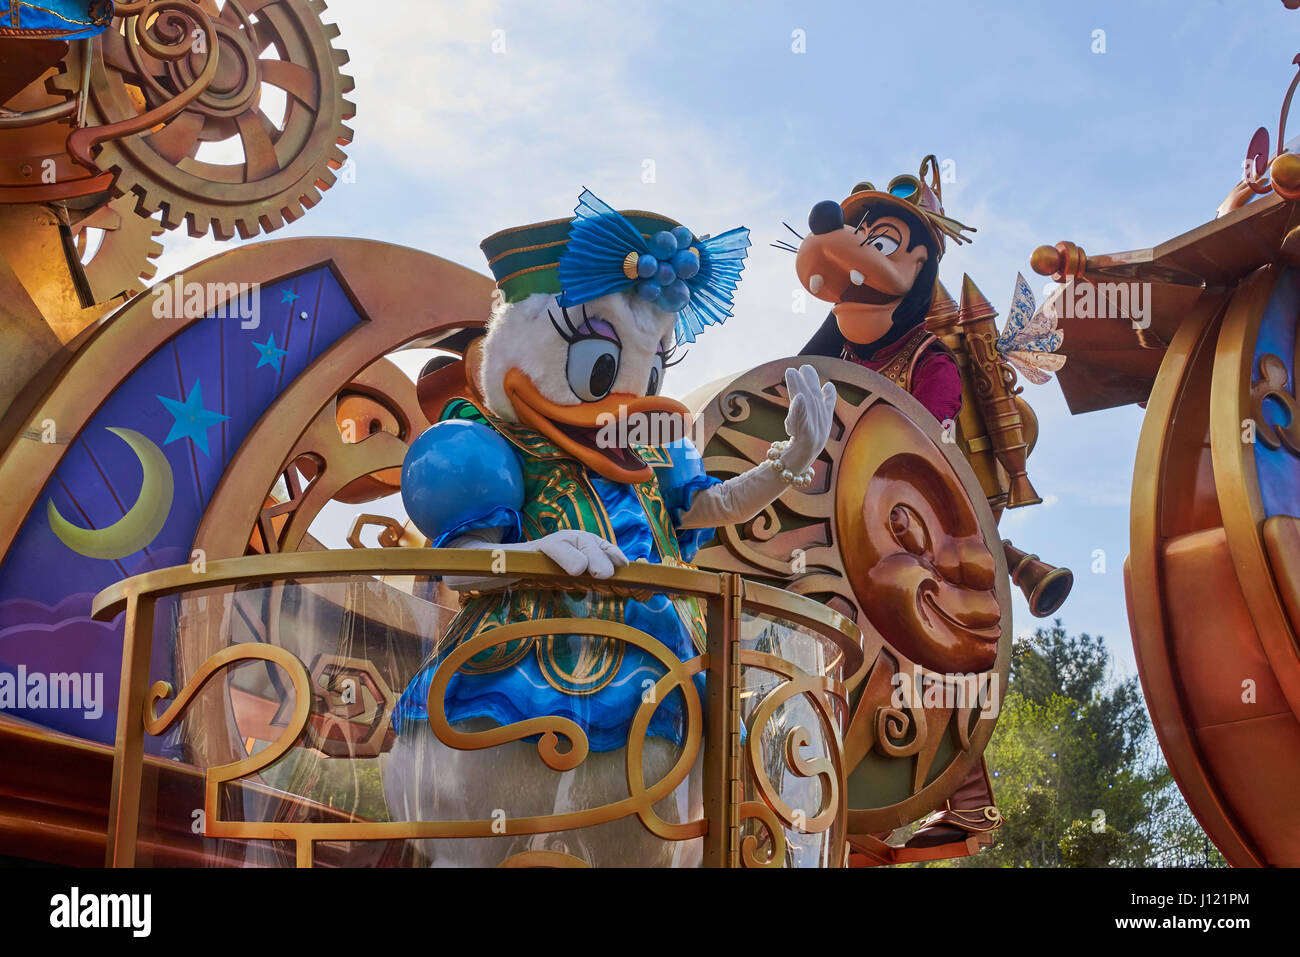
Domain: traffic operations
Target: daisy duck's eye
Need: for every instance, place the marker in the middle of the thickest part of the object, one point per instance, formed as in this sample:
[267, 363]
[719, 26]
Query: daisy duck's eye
[593, 367]
[656, 381]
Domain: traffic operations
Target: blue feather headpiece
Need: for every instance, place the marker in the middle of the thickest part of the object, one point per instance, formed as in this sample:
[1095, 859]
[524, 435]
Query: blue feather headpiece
[695, 278]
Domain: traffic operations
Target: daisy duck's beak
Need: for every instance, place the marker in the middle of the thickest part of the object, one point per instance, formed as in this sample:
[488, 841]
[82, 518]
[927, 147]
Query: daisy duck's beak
[603, 434]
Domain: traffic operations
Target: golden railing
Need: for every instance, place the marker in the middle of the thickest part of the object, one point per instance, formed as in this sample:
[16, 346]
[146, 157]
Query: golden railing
[736, 785]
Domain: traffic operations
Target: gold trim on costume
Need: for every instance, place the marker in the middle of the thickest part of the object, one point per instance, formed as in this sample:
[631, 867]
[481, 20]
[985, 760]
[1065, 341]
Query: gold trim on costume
[902, 364]
[526, 249]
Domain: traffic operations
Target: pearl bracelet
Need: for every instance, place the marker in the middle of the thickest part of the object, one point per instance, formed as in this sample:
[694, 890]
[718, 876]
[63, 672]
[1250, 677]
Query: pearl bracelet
[800, 480]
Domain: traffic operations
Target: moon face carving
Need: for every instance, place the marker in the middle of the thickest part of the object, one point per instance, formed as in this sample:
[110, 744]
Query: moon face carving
[142, 522]
[913, 548]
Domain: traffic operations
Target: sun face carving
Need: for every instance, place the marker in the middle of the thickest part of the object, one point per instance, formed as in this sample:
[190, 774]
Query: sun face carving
[881, 445]
[912, 548]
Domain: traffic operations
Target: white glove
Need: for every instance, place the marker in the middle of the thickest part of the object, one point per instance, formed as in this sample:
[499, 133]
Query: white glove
[808, 423]
[576, 552]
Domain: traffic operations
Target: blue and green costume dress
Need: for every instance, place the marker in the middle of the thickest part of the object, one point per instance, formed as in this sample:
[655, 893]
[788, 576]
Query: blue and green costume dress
[482, 472]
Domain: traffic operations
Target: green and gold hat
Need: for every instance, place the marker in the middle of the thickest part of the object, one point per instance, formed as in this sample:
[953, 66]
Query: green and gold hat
[602, 251]
[526, 259]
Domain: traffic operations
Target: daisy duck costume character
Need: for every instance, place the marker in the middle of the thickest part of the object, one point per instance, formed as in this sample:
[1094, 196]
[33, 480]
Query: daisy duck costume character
[594, 308]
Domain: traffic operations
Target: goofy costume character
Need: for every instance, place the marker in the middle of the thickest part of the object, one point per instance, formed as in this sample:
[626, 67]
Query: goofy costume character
[876, 257]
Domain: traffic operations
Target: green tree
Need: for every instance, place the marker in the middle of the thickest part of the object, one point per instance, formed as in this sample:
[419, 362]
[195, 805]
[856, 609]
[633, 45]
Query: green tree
[1076, 770]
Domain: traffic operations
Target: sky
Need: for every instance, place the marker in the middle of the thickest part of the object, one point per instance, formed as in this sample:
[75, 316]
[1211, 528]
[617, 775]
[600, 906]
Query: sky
[1116, 124]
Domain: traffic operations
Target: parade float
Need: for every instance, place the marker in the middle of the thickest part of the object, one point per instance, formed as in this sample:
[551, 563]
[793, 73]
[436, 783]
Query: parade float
[1213, 571]
[778, 641]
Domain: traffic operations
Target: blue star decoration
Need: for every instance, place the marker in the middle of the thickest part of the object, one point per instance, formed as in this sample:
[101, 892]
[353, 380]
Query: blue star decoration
[288, 296]
[271, 355]
[192, 420]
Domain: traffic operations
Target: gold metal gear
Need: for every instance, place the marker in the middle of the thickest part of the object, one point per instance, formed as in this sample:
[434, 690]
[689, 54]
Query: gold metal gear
[123, 262]
[260, 43]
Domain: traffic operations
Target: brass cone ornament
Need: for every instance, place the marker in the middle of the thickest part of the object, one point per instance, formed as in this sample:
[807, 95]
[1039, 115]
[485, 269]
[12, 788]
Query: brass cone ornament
[1045, 586]
[993, 384]
[943, 314]
[942, 322]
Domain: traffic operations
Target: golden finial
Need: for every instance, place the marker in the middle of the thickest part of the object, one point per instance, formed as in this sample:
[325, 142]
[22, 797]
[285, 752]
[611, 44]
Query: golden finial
[943, 310]
[974, 306]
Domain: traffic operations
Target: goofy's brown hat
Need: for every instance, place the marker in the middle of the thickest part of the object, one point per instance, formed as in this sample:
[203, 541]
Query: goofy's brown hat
[909, 194]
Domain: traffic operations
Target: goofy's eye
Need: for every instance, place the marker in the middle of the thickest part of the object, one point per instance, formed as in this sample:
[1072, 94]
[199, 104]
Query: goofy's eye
[883, 241]
[656, 376]
[593, 367]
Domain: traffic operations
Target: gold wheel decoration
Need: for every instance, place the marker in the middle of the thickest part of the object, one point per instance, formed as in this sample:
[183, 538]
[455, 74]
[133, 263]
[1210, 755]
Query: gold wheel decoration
[257, 44]
[351, 452]
[1211, 576]
[864, 540]
[123, 262]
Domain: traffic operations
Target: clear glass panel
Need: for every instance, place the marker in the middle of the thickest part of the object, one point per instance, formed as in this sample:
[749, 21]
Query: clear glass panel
[790, 743]
[361, 643]
[377, 656]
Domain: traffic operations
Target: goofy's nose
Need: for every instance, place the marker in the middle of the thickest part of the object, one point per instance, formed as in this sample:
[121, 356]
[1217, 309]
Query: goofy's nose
[826, 217]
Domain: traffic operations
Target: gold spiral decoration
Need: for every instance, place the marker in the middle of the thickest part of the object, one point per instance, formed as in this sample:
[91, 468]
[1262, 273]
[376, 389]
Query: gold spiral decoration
[636, 738]
[162, 17]
[827, 770]
[734, 407]
[893, 723]
[764, 526]
[249, 651]
[772, 810]
[749, 856]
[641, 799]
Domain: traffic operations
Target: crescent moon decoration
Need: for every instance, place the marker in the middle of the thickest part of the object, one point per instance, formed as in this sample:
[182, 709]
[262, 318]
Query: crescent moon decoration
[93, 477]
[142, 522]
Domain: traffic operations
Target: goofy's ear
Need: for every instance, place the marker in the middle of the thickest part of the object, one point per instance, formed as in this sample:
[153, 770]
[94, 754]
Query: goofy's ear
[826, 341]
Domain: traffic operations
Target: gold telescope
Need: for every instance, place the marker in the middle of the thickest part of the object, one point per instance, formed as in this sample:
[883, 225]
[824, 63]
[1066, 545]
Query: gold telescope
[1045, 586]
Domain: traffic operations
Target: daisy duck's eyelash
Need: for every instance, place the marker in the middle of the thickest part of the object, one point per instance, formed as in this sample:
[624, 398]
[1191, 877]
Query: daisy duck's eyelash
[570, 336]
[670, 357]
[588, 329]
